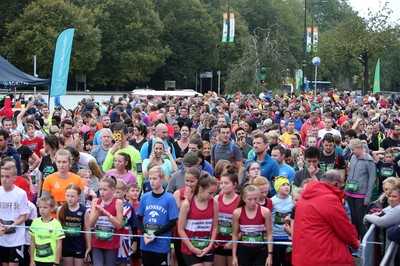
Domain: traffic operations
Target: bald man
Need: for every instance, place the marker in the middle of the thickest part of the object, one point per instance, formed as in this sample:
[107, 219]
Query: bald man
[162, 133]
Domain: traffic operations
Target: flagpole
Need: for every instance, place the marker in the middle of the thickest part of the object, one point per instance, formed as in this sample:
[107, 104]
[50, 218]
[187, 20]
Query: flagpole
[227, 43]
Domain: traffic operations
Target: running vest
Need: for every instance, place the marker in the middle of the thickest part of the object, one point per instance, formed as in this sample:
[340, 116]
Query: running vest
[74, 240]
[225, 219]
[104, 237]
[253, 230]
[198, 226]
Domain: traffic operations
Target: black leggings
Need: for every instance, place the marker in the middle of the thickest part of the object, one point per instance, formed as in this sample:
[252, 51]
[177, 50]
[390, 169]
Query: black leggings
[249, 256]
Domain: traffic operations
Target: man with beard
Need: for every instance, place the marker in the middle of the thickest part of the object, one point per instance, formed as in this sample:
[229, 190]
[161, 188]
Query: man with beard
[386, 121]
[66, 134]
[297, 119]
[257, 116]
[269, 167]
[105, 122]
[393, 141]
[331, 159]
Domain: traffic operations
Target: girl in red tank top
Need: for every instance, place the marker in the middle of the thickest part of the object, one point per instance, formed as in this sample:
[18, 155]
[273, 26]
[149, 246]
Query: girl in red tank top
[198, 220]
[106, 217]
[254, 223]
[192, 176]
[263, 185]
[227, 203]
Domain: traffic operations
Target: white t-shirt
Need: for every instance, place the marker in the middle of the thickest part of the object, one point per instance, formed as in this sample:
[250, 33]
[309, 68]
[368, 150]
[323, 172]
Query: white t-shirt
[13, 204]
[323, 131]
[83, 163]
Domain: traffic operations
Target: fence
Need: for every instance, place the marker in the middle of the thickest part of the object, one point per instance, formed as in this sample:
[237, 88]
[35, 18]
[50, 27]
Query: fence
[368, 247]
[390, 255]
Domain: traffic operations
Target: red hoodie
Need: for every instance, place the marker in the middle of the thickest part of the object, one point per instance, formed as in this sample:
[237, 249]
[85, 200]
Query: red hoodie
[7, 109]
[322, 229]
[304, 132]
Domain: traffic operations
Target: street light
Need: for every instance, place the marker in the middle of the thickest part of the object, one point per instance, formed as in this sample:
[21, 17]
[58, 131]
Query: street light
[316, 61]
[304, 45]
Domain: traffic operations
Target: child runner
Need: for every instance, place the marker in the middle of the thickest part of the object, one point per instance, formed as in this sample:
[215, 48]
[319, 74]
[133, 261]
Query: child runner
[192, 176]
[253, 223]
[13, 211]
[106, 217]
[157, 214]
[122, 170]
[282, 206]
[86, 175]
[126, 246]
[74, 218]
[198, 219]
[263, 185]
[385, 168]
[133, 198]
[227, 203]
[47, 234]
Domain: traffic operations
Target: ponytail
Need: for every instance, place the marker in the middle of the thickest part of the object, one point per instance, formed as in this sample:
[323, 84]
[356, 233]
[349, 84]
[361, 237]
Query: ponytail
[205, 181]
[62, 213]
[246, 189]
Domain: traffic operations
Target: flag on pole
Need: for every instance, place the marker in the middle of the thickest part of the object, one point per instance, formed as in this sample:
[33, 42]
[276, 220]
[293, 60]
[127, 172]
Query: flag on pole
[377, 78]
[231, 27]
[62, 56]
[225, 28]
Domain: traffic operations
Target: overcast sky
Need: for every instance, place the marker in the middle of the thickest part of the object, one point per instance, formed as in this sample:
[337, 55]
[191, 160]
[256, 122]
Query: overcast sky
[363, 5]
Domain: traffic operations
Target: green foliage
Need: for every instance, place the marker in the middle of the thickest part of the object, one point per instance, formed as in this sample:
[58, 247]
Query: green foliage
[192, 36]
[36, 30]
[261, 51]
[131, 45]
[355, 44]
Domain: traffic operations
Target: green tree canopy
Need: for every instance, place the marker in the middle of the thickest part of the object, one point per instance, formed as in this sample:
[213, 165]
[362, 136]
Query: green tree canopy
[36, 30]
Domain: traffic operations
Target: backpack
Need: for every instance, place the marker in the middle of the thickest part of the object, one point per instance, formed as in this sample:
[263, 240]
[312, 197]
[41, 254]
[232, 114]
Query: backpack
[231, 148]
[150, 146]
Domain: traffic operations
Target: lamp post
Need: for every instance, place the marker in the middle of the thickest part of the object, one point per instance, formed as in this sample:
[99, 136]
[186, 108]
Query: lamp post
[316, 61]
[304, 45]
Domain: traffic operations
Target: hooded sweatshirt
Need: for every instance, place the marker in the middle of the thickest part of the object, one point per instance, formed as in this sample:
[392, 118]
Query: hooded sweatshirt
[322, 230]
[363, 172]
[306, 127]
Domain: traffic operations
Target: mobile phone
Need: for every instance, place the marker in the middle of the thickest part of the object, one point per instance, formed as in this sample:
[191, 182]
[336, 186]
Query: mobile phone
[139, 168]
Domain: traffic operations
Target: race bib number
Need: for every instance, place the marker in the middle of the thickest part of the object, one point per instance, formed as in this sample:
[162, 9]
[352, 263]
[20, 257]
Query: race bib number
[280, 218]
[252, 237]
[151, 228]
[200, 242]
[44, 250]
[224, 228]
[351, 186]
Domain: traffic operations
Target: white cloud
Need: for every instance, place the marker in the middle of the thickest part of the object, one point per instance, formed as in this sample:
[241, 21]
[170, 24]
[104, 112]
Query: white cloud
[362, 7]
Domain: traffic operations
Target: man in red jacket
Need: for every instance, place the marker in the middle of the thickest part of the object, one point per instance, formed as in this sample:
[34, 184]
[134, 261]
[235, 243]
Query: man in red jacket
[322, 230]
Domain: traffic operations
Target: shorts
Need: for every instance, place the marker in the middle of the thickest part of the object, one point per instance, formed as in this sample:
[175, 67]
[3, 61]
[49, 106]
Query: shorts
[76, 255]
[223, 252]
[193, 259]
[256, 255]
[153, 258]
[12, 254]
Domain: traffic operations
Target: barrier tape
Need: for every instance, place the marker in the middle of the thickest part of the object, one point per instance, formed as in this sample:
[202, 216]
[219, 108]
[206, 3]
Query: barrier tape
[160, 237]
[287, 243]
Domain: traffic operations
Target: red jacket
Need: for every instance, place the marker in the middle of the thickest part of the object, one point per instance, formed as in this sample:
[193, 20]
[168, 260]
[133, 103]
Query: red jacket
[304, 131]
[322, 230]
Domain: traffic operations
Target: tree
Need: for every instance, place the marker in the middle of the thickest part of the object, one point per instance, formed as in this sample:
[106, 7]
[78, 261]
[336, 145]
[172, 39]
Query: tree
[261, 51]
[131, 46]
[36, 30]
[192, 37]
[358, 39]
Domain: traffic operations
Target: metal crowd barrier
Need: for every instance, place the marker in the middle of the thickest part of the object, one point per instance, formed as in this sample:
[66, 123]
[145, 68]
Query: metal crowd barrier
[390, 255]
[368, 249]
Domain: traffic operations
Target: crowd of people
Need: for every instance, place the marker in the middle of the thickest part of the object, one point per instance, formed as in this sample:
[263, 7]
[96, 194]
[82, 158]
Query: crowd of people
[203, 180]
